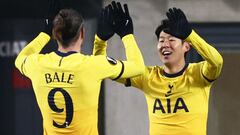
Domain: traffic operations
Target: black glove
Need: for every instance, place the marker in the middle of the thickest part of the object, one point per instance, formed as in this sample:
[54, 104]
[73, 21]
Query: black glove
[122, 22]
[53, 8]
[178, 24]
[105, 30]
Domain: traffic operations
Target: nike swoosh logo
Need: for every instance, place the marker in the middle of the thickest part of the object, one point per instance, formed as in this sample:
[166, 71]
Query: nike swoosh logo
[47, 21]
[126, 22]
[167, 95]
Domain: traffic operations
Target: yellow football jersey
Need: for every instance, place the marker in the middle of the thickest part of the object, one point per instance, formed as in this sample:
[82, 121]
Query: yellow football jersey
[178, 103]
[67, 85]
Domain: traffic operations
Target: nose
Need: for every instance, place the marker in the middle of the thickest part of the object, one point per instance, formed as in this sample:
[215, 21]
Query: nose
[165, 43]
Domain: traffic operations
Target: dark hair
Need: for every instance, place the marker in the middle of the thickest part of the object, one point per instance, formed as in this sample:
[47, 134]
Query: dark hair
[66, 26]
[161, 27]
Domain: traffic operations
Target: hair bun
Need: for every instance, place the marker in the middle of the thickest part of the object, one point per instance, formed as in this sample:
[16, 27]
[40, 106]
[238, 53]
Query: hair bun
[67, 26]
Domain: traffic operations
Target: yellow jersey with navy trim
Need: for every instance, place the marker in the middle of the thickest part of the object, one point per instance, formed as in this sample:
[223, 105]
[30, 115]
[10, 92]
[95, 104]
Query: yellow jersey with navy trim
[178, 103]
[67, 85]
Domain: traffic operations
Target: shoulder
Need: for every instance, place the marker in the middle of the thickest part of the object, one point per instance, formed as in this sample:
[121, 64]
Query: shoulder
[196, 66]
[152, 71]
[44, 57]
[34, 58]
[103, 60]
[100, 58]
[195, 72]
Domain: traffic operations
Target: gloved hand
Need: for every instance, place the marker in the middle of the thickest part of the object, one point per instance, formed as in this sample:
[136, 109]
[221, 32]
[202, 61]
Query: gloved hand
[53, 8]
[122, 22]
[105, 30]
[178, 24]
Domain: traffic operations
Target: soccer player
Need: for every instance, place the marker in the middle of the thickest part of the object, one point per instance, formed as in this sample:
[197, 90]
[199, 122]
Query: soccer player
[67, 83]
[177, 93]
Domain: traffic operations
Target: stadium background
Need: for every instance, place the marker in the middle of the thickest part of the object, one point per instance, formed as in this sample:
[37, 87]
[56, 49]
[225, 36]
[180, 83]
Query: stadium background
[122, 110]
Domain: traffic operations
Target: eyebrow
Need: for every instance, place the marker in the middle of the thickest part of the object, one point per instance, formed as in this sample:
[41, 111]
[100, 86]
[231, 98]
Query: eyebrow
[165, 37]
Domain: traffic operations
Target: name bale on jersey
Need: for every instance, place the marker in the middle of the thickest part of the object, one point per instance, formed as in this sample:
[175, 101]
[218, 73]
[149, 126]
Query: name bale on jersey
[59, 77]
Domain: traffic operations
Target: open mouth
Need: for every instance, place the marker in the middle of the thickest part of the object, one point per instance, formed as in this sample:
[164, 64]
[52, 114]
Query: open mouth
[166, 53]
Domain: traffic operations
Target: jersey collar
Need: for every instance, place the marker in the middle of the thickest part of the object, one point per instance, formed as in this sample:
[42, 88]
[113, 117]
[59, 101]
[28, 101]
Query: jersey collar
[176, 74]
[62, 54]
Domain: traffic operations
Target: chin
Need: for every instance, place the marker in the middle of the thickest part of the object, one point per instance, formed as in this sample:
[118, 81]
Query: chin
[167, 62]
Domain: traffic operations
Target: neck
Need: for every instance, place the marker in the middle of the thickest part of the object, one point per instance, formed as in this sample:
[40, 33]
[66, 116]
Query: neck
[76, 47]
[173, 69]
[69, 49]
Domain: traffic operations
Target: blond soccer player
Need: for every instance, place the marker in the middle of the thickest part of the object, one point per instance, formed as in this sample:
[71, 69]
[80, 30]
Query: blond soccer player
[66, 82]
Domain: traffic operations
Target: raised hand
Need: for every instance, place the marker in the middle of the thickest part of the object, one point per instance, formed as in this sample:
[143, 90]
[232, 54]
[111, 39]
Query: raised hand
[122, 22]
[105, 30]
[53, 8]
[178, 24]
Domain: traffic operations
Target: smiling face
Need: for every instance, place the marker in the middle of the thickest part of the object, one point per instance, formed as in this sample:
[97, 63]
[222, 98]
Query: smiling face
[172, 49]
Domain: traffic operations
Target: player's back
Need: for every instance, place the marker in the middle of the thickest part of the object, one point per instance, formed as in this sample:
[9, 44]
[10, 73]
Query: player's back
[67, 89]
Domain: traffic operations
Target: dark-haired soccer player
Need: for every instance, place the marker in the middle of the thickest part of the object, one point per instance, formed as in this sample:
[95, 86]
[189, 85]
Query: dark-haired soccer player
[177, 93]
[67, 83]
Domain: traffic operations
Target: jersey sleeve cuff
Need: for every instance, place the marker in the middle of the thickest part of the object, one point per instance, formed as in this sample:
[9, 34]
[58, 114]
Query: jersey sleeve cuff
[192, 36]
[98, 39]
[44, 36]
[129, 40]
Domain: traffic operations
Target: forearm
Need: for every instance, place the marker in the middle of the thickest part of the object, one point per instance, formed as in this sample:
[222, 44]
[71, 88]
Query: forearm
[214, 61]
[100, 46]
[134, 63]
[35, 46]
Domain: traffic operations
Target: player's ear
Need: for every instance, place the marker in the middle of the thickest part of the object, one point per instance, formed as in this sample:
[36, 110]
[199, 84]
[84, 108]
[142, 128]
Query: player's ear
[82, 31]
[186, 46]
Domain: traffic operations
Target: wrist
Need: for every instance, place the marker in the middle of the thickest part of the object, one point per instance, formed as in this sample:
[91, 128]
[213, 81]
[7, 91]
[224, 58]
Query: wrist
[188, 33]
[102, 38]
[127, 38]
[99, 39]
[122, 35]
[189, 37]
[45, 35]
